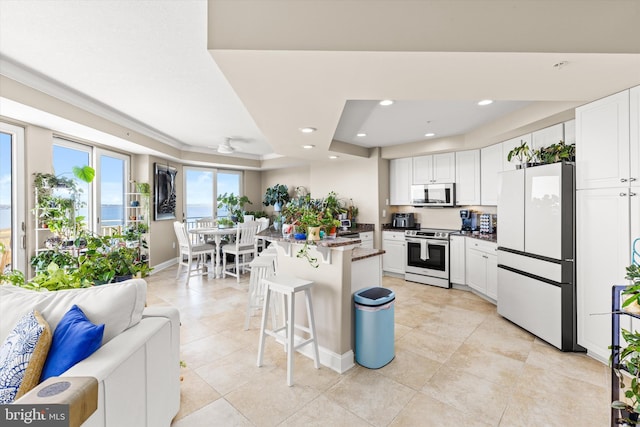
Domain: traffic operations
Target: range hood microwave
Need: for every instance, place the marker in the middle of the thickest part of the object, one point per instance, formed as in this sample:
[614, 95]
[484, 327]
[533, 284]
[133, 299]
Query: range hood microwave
[433, 195]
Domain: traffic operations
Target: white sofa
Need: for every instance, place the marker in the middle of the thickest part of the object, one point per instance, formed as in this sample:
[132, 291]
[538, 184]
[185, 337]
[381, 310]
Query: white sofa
[138, 364]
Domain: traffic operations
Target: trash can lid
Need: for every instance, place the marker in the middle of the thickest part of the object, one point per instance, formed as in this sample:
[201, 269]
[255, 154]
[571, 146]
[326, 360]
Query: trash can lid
[374, 296]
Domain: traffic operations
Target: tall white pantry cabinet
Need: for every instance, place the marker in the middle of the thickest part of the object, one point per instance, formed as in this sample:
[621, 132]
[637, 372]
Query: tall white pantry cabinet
[608, 209]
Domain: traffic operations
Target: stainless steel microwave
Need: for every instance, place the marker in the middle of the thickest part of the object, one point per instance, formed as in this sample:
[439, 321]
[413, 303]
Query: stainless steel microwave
[435, 195]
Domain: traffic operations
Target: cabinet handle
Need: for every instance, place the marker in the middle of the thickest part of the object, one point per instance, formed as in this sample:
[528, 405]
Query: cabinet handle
[485, 257]
[623, 194]
[632, 179]
[632, 194]
[623, 180]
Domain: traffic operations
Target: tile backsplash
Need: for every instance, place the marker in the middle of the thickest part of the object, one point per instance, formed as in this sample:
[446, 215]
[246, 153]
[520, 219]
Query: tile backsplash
[448, 218]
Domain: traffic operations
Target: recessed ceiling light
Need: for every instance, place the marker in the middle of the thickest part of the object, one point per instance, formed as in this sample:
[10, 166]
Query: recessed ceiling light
[386, 102]
[430, 134]
[308, 130]
[361, 134]
[332, 157]
[308, 146]
[485, 102]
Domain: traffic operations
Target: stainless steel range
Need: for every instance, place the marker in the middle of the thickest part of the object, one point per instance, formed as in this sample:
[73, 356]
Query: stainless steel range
[428, 256]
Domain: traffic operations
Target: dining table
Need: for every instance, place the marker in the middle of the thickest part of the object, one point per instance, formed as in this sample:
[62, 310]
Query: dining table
[216, 233]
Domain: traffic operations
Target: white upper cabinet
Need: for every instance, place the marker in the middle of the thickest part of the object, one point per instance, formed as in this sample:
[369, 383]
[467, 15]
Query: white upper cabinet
[509, 145]
[570, 132]
[468, 177]
[602, 143]
[634, 137]
[511, 209]
[400, 179]
[547, 136]
[434, 169]
[490, 166]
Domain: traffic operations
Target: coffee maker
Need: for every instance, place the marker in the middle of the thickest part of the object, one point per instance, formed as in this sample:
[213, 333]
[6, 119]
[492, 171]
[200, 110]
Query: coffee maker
[469, 221]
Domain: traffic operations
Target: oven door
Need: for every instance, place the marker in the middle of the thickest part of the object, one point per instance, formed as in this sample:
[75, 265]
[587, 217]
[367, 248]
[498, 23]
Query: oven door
[428, 257]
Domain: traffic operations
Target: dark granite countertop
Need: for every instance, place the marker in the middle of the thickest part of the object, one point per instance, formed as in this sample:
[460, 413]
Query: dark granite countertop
[276, 236]
[359, 228]
[362, 253]
[481, 236]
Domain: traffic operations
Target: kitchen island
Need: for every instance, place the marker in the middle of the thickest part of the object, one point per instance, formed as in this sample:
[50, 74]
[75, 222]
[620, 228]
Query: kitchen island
[343, 268]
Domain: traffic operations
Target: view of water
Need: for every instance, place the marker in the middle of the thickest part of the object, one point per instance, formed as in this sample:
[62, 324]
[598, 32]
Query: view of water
[111, 214]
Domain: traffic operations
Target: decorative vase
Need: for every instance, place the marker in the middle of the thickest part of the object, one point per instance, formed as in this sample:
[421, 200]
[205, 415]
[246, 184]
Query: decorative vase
[313, 234]
[277, 206]
[287, 229]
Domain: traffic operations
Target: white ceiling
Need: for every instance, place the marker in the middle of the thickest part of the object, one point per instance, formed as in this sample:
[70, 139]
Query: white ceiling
[148, 64]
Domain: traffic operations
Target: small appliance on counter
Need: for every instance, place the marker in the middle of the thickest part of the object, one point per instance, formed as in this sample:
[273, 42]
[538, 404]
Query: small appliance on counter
[469, 220]
[487, 224]
[403, 220]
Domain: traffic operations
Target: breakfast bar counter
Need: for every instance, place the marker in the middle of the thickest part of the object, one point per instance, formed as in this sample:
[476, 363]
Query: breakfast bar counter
[343, 268]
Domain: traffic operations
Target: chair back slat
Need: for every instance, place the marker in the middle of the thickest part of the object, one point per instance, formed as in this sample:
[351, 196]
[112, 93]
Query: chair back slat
[181, 234]
[246, 233]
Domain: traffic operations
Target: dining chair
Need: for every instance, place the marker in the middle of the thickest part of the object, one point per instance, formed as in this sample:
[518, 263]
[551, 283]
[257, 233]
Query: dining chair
[263, 224]
[208, 222]
[189, 252]
[243, 245]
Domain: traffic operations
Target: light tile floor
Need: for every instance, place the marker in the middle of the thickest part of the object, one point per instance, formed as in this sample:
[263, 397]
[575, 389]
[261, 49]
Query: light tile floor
[458, 363]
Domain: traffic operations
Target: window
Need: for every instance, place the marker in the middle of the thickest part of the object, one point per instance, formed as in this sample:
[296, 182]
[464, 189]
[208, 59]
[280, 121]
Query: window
[66, 155]
[202, 187]
[12, 214]
[105, 207]
[111, 179]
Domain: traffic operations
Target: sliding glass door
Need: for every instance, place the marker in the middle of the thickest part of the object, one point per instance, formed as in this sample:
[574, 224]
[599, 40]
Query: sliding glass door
[12, 201]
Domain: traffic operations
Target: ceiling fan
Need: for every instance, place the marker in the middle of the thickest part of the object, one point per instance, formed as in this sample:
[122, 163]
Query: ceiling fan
[226, 148]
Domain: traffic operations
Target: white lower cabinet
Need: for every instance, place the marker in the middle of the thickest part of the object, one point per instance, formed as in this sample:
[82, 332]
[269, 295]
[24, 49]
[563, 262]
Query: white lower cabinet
[393, 260]
[482, 267]
[457, 260]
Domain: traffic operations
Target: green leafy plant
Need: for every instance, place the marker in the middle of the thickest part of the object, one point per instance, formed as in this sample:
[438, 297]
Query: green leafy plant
[557, 153]
[521, 152]
[279, 193]
[304, 254]
[628, 373]
[633, 290]
[234, 205]
[13, 277]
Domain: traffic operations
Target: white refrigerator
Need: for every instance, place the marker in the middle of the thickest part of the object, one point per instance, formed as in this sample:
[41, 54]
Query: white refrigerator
[536, 252]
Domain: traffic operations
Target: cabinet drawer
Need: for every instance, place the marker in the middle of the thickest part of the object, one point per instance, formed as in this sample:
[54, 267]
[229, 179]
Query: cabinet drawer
[367, 235]
[483, 246]
[393, 235]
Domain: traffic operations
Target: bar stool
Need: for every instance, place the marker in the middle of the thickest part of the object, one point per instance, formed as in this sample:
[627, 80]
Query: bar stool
[288, 286]
[261, 267]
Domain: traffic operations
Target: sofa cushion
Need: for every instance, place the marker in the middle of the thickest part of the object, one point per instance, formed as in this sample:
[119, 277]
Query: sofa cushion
[74, 339]
[118, 305]
[22, 356]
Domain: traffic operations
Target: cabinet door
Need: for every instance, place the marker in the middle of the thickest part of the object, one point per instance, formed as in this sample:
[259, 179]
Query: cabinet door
[400, 179]
[634, 137]
[457, 260]
[490, 165]
[511, 209]
[602, 142]
[423, 170]
[468, 177]
[509, 145]
[547, 136]
[476, 270]
[393, 259]
[444, 168]
[570, 132]
[492, 276]
[602, 253]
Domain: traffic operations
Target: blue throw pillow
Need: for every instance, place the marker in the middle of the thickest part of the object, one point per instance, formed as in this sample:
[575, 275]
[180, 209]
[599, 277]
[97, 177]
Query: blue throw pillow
[74, 339]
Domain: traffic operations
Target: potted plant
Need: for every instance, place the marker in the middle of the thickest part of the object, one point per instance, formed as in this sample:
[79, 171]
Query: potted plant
[522, 153]
[557, 153]
[276, 196]
[234, 205]
[627, 356]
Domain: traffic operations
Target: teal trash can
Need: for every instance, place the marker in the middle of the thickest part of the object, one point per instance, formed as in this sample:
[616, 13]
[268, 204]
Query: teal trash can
[374, 327]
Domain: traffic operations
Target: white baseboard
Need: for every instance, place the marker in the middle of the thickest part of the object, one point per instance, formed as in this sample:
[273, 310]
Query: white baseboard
[163, 265]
